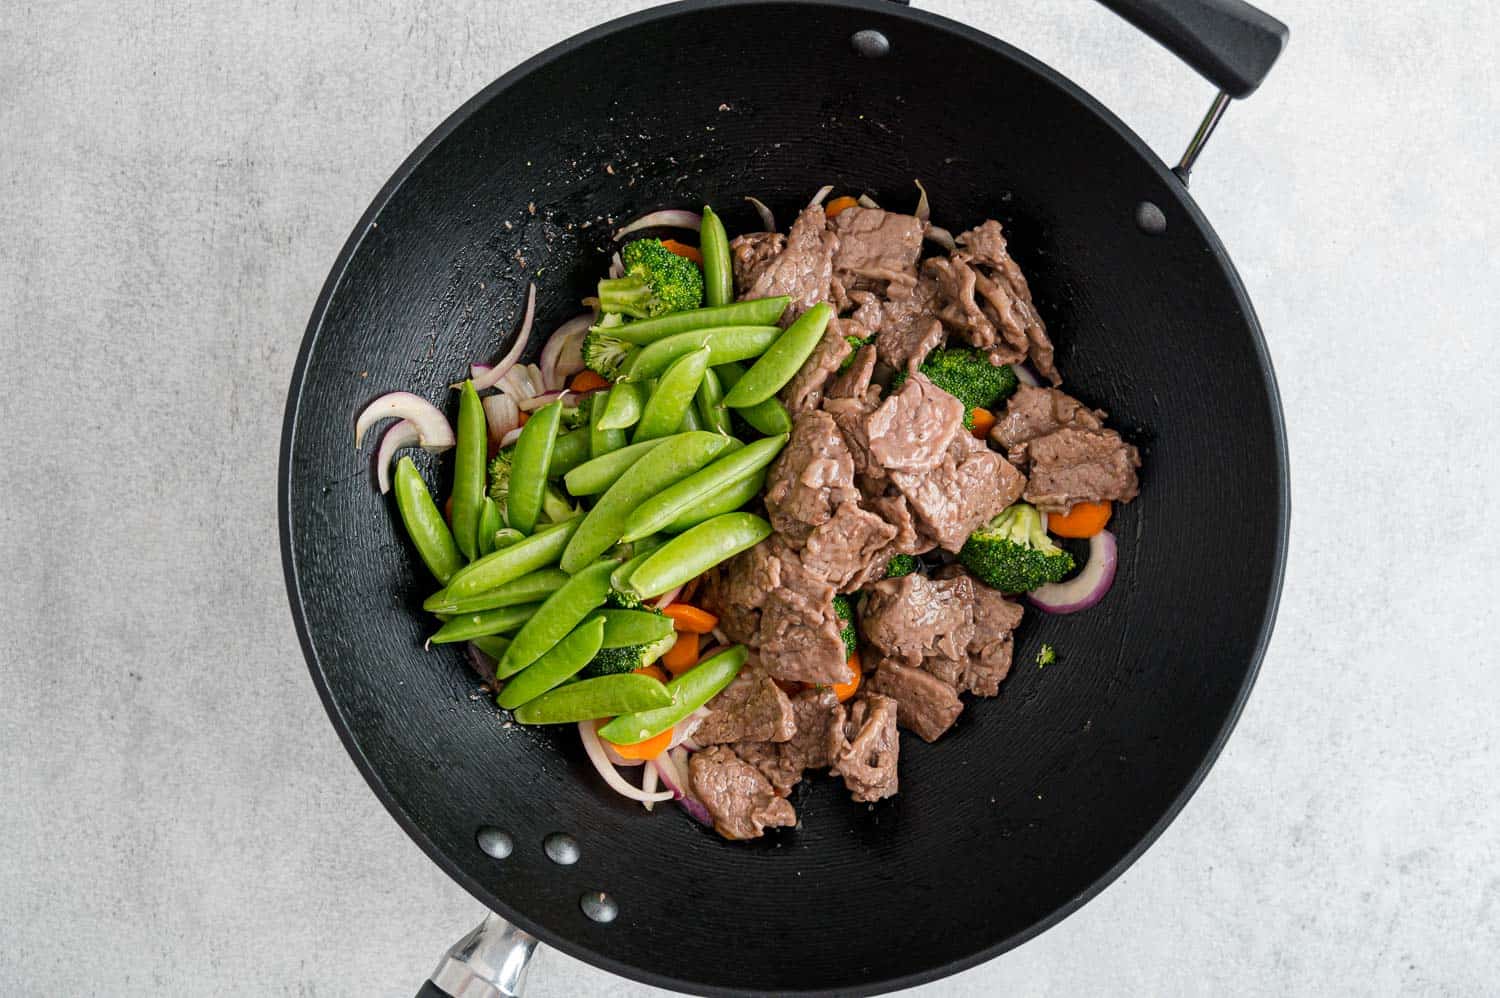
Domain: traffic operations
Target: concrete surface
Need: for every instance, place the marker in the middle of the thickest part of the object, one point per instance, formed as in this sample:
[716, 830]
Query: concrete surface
[175, 179]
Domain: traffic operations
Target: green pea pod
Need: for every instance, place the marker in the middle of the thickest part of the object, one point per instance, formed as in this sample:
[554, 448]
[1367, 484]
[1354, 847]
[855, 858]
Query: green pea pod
[594, 476]
[588, 699]
[641, 550]
[467, 626]
[672, 398]
[571, 450]
[528, 589]
[493, 645]
[623, 407]
[489, 526]
[424, 523]
[689, 691]
[561, 663]
[726, 500]
[555, 505]
[768, 418]
[690, 421]
[782, 360]
[602, 441]
[712, 412]
[468, 469]
[508, 564]
[506, 536]
[563, 611]
[756, 312]
[724, 344]
[662, 509]
[694, 552]
[623, 628]
[674, 460]
[718, 276]
[529, 464]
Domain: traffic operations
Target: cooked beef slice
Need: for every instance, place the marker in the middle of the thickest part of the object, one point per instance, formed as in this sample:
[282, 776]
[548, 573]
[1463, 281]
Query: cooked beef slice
[867, 758]
[901, 321]
[1035, 412]
[750, 254]
[927, 705]
[876, 248]
[739, 799]
[818, 714]
[969, 487]
[987, 657]
[843, 549]
[1073, 466]
[811, 477]
[737, 590]
[750, 709]
[799, 636]
[855, 380]
[802, 269]
[912, 617]
[1007, 298]
[805, 391]
[913, 427]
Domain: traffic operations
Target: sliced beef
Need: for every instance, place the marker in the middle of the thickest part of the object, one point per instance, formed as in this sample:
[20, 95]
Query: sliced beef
[843, 549]
[971, 486]
[927, 705]
[876, 249]
[818, 715]
[866, 757]
[799, 629]
[850, 415]
[740, 800]
[811, 477]
[913, 427]
[805, 391]
[749, 256]
[1035, 412]
[913, 617]
[902, 321]
[802, 269]
[855, 380]
[737, 591]
[750, 709]
[987, 657]
[1007, 297]
[1073, 466]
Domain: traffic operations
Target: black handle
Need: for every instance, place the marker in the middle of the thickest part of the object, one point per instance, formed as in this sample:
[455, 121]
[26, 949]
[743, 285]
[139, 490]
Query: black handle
[1232, 44]
[430, 990]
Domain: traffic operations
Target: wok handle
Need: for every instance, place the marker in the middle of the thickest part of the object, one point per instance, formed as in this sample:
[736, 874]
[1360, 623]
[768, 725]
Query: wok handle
[489, 962]
[1230, 43]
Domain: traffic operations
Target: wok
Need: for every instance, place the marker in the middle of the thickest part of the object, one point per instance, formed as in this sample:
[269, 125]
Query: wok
[1038, 798]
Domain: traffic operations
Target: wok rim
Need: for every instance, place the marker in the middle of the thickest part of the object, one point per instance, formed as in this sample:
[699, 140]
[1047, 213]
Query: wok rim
[495, 90]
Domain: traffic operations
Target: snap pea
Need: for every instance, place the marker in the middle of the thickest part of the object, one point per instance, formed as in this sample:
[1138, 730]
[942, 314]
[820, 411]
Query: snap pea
[756, 312]
[594, 476]
[672, 398]
[769, 417]
[563, 611]
[687, 495]
[726, 500]
[424, 523]
[529, 463]
[695, 551]
[506, 536]
[713, 244]
[677, 457]
[601, 441]
[712, 412]
[489, 526]
[641, 550]
[623, 628]
[689, 691]
[724, 344]
[782, 360]
[527, 589]
[560, 664]
[541, 549]
[468, 626]
[571, 450]
[690, 421]
[591, 698]
[623, 407]
[555, 505]
[492, 645]
[468, 469]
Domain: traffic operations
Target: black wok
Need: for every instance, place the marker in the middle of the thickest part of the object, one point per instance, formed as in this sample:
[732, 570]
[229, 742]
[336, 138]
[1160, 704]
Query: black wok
[1037, 799]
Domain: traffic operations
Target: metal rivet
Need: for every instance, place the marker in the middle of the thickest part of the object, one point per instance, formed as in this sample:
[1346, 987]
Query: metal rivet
[1149, 219]
[561, 848]
[870, 43]
[493, 842]
[599, 906]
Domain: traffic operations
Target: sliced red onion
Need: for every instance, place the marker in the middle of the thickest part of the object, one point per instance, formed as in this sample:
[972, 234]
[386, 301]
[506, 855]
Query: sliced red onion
[511, 436]
[486, 378]
[616, 269]
[1025, 375]
[684, 728]
[720, 636]
[865, 201]
[924, 210]
[501, 415]
[823, 192]
[546, 398]
[671, 218]
[939, 235]
[1086, 588]
[595, 748]
[667, 598]
[433, 431]
[401, 434]
[518, 384]
[766, 218]
[562, 357]
[617, 758]
[648, 785]
[674, 777]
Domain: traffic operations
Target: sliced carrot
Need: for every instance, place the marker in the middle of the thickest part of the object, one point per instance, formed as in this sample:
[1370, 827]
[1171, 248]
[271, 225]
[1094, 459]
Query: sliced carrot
[524, 417]
[586, 381]
[846, 690]
[648, 749]
[684, 250]
[1085, 519]
[448, 511]
[683, 655]
[837, 205]
[688, 618]
[654, 671]
[984, 421]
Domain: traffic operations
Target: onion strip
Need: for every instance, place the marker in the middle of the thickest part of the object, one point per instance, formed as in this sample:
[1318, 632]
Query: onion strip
[865, 201]
[670, 218]
[649, 775]
[400, 435]
[433, 430]
[1025, 375]
[487, 378]
[939, 235]
[606, 769]
[501, 415]
[766, 218]
[924, 209]
[1086, 588]
[562, 357]
[817, 199]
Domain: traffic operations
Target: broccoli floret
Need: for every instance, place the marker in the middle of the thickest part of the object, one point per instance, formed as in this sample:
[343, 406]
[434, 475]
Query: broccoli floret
[901, 564]
[1013, 553]
[604, 353]
[656, 281]
[610, 661]
[617, 600]
[500, 479]
[855, 342]
[968, 376]
[844, 610]
[1046, 656]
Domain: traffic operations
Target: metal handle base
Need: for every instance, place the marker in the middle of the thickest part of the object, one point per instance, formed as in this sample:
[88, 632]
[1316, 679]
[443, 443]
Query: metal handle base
[489, 962]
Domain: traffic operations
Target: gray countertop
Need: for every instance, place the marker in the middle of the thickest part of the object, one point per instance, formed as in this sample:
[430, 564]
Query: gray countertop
[179, 817]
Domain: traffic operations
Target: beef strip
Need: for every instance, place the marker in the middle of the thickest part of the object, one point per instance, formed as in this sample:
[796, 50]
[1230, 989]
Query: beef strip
[740, 800]
[811, 477]
[971, 486]
[1073, 466]
[876, 248]
[855, 380]
[912, 617]
[799, 636]
[987, 657]
[927, 705]
[866, 758]
[802, 269]
[805, 391]
[1035, 412]
[749, 256]
[818, 714]
[750, 709]
[902, 321]
[1003, 286]
[843, 549]
[913, 427]
[737, 590]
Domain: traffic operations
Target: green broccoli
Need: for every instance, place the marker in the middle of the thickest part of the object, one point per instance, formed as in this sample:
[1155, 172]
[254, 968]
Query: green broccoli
[901, 564]
[1046, 656]
[857, 342]
[1013, 553]
[610, 661]
[968, 376]
[604, 353]
[844, 610]
[617, 600]
[500, 479]
[656, 281]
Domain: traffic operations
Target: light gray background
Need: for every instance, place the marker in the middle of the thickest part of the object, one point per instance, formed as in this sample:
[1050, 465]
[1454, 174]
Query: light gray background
[177, 816]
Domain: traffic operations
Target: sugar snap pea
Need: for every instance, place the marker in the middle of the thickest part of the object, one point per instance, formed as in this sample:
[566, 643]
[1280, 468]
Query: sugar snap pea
[756, 312]
[571, 450]
[558, 665]
[465, 627]
[533, 455]
[492, 645]
[594, 476]
[555, 505]
[713, 244]
[468, 469]
[623, 407]
[505, 537]
[690, 421]
[601, 441]
[689, 691]
[424, 523]
[639, 552]
[724, 344]
[769, 417]
[531, 588]
[782, 360]
[563, 611]
[541, 549]
[623, 628]
[591, 698]
[695, 551]
[662, 509]
[712, 412]
[677, 457]
[726, 500]
[672, 398]
[489, 525]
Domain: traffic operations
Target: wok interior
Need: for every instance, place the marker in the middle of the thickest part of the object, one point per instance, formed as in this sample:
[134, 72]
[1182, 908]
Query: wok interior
[1034, 795]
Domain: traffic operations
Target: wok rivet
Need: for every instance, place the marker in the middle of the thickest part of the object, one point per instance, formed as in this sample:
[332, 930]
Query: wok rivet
[561, 848]
[1150, 219]
[493, 842]
[870, 43]
[599, 906]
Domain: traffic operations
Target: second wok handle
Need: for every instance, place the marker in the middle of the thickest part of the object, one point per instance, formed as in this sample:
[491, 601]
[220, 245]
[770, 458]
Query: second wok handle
[1230, 43]
[489, 962]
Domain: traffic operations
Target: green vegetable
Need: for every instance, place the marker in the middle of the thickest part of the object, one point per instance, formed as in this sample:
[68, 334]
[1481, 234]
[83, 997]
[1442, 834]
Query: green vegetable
[505, 537]
[901, 564]
[726, 500]
[690, 554]
[493, 645]
[856, 343]
[1013, 553]
[672, 398]
[527, 589]
[591, 698]
[571, 450]
[843, 608]
[468, 469]
[656, 281]
[769, 417]
[500, 472]
[601, 440]
[725, 344]
[490, 524]
[529, 464]
[718, 275]
[605, 352]
[557, 666]
[424, 524]
[556, 618]
[688, 691]
[1046, 656]
[620, 597]
[623, 409]
[596, 475]
[628, 658]
[712, 412]
[555, 505]
[663, 508]
[623, 628]
[756, 312]
[690, 420]
[968, 376]
[465, 627]
[782, 360]
[508, 564]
